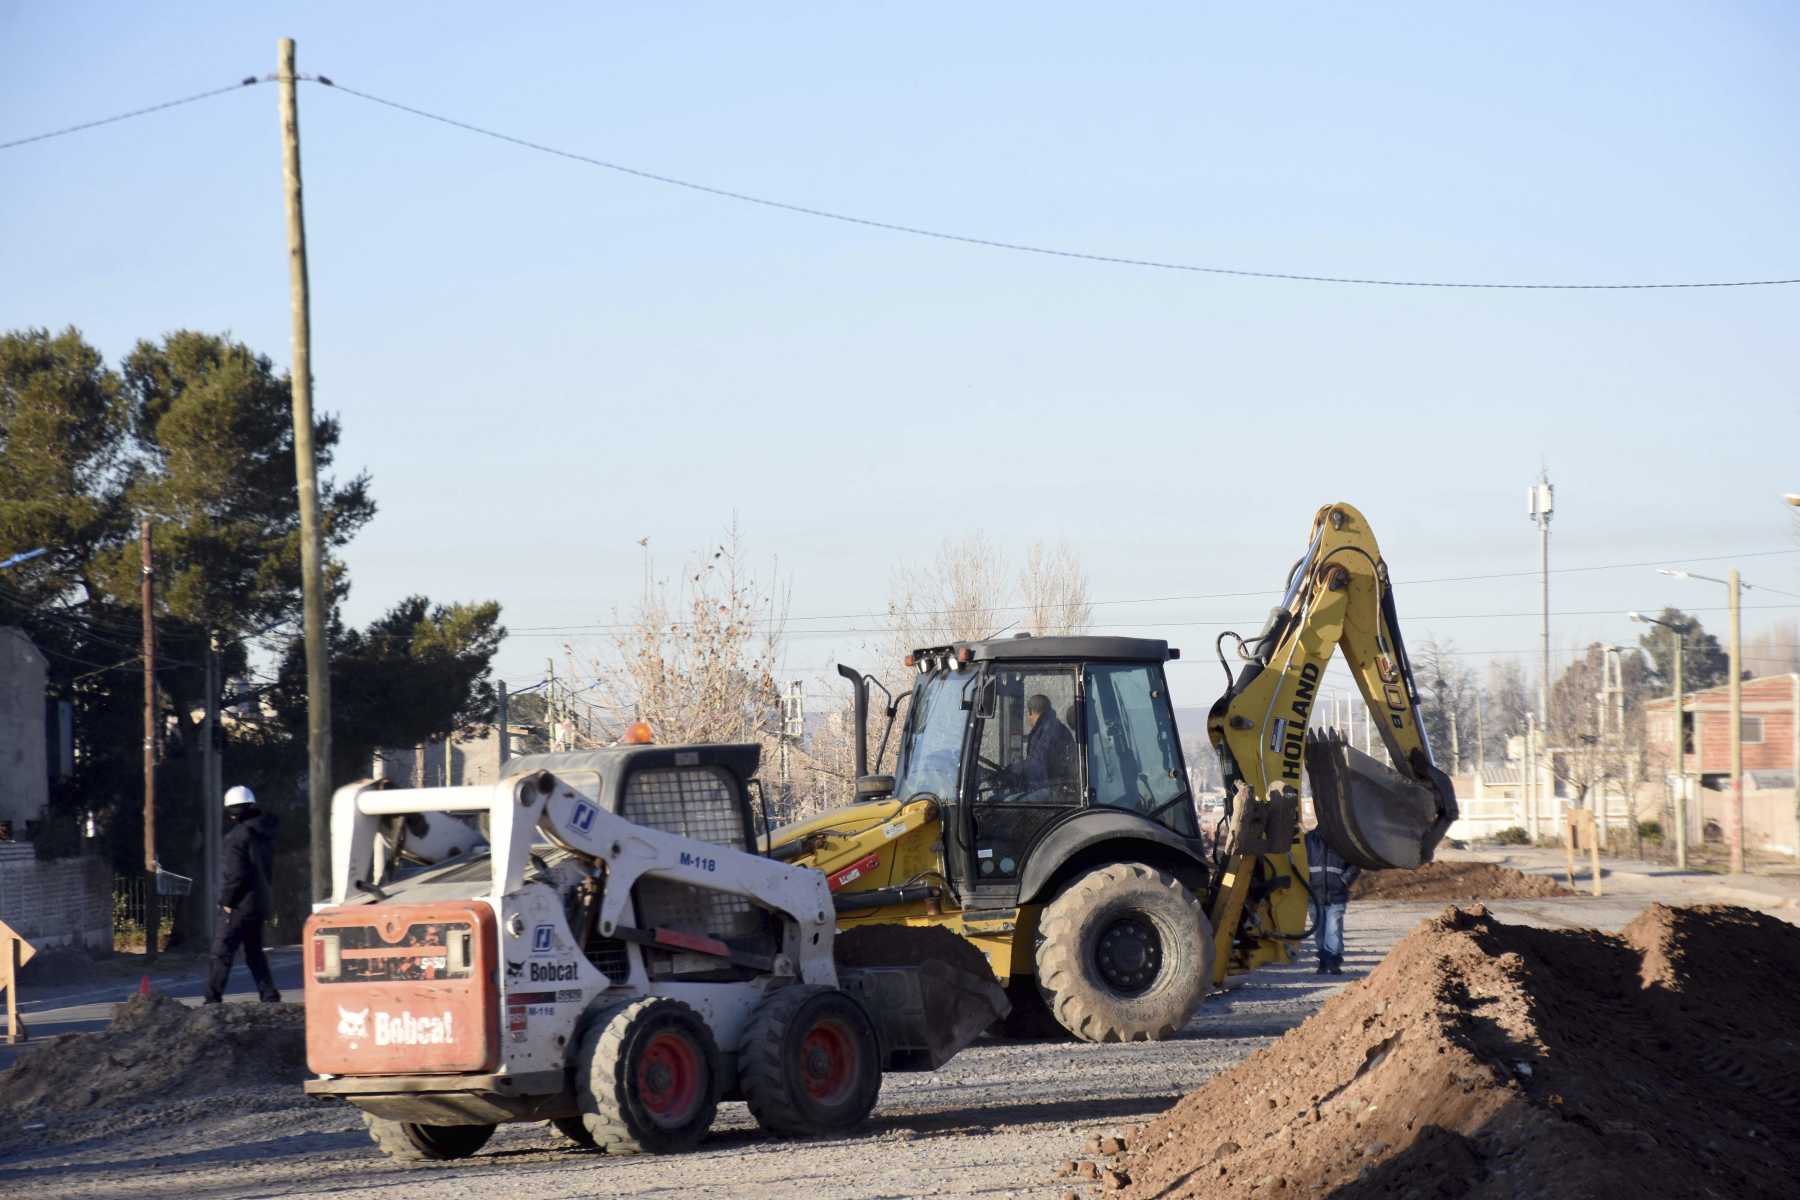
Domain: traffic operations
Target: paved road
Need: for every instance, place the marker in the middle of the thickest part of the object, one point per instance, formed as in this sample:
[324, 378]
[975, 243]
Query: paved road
[82, 1007]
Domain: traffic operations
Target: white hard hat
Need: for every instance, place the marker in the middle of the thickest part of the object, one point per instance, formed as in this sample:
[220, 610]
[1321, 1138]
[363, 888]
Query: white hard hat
[239, 795]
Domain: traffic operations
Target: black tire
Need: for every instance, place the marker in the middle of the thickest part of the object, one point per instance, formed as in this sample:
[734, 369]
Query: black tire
[1124, 955]
[405, 1141]
[576, 1130]
[810, 1062]
[647, 1078]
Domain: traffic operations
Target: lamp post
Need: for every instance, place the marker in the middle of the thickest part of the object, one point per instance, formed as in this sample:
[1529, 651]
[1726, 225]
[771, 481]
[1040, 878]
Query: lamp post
[1733, 589]
[23, 556]
[1681, 812]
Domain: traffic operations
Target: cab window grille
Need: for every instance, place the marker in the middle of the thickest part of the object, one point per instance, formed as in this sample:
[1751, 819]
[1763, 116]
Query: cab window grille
[700, 803]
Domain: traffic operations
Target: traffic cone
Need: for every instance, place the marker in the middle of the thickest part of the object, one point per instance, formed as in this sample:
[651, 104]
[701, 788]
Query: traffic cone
[144, 986]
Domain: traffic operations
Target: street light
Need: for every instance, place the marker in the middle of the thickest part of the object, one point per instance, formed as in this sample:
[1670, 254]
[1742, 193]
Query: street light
[1681, 813]
[1733, 589]
[25, 556]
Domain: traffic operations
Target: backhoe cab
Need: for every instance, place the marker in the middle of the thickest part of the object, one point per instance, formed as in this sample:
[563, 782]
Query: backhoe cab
[1040, 809]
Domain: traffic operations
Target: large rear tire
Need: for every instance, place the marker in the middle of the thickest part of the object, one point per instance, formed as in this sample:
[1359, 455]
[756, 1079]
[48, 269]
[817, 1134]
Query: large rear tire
[810, 1062]
[647, 1078]
[405, 1141]
[1124, 955]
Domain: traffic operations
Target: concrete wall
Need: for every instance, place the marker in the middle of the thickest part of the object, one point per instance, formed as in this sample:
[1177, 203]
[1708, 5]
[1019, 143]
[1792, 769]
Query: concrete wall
[67, 901]
[24, 777]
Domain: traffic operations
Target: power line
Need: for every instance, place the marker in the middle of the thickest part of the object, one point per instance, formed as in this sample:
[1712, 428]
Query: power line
[1019, 247]
[602, 627]
[247, 81]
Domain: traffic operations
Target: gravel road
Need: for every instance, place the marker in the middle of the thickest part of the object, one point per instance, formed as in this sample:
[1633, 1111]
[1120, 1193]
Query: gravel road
[994, 1123]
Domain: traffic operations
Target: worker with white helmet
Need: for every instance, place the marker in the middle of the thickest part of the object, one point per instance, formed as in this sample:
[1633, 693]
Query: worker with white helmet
[247, 859]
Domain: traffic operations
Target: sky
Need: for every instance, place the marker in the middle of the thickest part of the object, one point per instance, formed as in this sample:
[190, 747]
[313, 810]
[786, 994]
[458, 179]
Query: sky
[540, 362]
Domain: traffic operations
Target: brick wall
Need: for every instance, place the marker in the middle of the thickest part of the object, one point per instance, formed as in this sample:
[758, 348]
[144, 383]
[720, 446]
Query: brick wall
[60, 902]
[1771, 700]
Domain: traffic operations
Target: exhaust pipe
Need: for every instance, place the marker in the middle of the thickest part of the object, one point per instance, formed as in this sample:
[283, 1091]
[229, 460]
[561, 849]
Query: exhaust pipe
[862, 716]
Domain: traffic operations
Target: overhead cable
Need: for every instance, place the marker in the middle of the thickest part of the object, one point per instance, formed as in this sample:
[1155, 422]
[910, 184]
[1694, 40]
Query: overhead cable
[1025, 247]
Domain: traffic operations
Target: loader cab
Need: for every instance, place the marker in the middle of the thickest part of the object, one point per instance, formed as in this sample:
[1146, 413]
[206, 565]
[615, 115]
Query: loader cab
[1039, 747]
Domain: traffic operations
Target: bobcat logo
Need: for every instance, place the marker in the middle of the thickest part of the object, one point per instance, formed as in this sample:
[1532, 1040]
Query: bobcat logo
[353, 1024]
[514, 971]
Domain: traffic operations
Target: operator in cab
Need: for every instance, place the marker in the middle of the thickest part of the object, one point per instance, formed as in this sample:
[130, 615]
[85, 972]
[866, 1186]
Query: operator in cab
[1049, 760]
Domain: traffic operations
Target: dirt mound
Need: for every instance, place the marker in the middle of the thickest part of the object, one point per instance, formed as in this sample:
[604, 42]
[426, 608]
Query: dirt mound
[155, 1049]
[1486, 1060]
[1455, 881]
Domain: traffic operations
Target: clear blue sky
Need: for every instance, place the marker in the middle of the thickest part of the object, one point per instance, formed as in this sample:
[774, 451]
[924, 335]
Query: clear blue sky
[541, 363]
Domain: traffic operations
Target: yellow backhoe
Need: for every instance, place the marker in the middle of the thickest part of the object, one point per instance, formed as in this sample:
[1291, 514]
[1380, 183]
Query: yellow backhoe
[1040, 809]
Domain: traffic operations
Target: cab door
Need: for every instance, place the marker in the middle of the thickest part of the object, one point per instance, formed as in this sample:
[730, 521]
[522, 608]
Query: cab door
[1024, 771]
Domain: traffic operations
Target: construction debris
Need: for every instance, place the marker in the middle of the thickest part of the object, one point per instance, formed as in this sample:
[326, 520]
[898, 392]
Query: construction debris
[1455, 881]
[157, 1049]
[1483, 1059]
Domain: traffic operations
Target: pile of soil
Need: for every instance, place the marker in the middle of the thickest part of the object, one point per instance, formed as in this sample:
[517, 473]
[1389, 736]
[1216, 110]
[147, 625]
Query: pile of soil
[156, 1049]
[1486, 1060]
[1455, 881]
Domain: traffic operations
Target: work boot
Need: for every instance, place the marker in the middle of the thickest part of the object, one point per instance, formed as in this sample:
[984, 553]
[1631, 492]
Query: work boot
[1337, 965]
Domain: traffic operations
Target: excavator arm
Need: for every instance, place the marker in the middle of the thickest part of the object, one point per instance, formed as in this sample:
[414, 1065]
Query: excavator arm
[1338, 598]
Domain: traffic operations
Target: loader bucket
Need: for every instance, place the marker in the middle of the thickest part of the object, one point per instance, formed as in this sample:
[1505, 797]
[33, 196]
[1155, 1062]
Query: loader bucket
[929, 990]
[926, 1013]
[1369, 813]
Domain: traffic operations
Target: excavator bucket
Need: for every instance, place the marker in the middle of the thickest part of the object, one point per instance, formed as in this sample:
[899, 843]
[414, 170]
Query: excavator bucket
[1369, 813]
[929, 991]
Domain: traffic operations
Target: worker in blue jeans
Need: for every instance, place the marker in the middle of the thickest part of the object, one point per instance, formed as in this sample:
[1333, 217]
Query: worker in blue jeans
[1331, 878]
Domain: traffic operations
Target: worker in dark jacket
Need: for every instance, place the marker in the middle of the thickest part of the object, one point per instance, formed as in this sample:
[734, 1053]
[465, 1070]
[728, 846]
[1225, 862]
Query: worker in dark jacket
[1330, 879]
[246, 859]
[1049, 746]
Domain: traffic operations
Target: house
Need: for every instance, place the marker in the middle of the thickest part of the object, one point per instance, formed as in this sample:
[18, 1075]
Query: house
[1771, 740]
[48, 902]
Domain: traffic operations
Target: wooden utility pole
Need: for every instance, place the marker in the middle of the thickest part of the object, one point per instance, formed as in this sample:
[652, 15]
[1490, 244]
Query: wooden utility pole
[1737, 730]
[312, 554]
[210, 816]
[505, 737]
[152, 915]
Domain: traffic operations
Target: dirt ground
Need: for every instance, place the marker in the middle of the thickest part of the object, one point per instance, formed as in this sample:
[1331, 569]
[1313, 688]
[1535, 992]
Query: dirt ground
[1454, 881]
[1486, 1059]
[996, 1122]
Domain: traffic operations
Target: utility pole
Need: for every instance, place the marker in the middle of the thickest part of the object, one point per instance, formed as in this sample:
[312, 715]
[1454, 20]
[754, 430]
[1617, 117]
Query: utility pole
[1541, 501]
[306, 475]
[210, 815]
[152, 913]
[550, 728]
[1531, 779]
[1480, 736]
[1681, 797]
[505, 736]
[1737, 727]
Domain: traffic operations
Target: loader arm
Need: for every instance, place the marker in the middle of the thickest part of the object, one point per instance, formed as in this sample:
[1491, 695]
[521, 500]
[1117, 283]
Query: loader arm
[1339, 597]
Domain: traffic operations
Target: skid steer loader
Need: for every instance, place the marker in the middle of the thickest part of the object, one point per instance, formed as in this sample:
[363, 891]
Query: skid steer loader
[1040, 805]
[616, 961]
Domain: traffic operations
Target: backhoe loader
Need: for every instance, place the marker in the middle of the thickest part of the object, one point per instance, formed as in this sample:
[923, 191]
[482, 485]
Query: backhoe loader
[1040, 807]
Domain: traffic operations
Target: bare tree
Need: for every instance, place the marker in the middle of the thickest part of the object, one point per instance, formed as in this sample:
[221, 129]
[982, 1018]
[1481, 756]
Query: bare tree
[1054, 588]
[698, 657]
[959, 596]
[1508, 703]
[1775, 651]
[1450, 718]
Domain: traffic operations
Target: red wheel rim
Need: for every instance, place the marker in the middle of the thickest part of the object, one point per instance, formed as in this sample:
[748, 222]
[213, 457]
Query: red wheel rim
[670, 1076]
[829, 1061]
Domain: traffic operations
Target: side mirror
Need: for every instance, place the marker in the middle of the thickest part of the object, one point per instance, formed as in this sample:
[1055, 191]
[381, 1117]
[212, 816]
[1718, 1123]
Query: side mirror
[873, 787]
[987, 700]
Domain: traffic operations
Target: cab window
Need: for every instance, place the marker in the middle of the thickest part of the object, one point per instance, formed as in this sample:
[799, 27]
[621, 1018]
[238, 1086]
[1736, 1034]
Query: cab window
[1134, 757]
